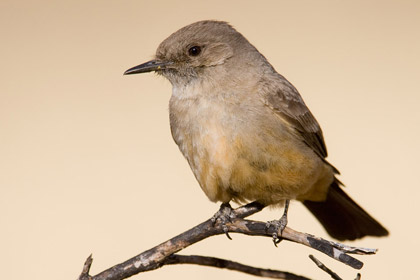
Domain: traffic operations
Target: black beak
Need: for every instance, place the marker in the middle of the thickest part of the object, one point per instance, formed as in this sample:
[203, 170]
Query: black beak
[153, 65]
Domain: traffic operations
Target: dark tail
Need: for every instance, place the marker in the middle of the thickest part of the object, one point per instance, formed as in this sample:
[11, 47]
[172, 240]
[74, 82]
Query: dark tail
[342, 217]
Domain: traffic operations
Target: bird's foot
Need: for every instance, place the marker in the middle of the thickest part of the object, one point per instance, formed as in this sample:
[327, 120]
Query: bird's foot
[279, 225]
[224, 216]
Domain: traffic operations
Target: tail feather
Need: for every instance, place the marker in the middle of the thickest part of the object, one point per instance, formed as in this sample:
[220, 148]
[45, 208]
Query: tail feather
[342, 217]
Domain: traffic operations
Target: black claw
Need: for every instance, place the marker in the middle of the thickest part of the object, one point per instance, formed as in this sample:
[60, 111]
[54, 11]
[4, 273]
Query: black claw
[276, 238]
[277, 241]
[224, 215]
[276, 225]
[226, 231]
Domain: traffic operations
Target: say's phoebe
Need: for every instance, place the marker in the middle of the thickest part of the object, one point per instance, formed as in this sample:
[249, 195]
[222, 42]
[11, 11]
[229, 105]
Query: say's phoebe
[246, 131]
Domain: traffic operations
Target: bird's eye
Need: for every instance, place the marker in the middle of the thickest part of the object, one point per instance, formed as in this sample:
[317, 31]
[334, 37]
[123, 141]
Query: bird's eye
[194, 51]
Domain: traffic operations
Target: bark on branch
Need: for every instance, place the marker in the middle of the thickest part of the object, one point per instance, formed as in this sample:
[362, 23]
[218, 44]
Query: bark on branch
[164, 253]
[222, 263]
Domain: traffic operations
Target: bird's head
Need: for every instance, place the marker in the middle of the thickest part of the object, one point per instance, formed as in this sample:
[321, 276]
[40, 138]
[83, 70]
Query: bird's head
[195, 49]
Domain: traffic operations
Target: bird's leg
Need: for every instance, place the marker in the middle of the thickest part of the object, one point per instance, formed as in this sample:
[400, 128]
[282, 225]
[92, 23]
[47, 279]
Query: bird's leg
[224, 216]
[283, 219]
[279, 224]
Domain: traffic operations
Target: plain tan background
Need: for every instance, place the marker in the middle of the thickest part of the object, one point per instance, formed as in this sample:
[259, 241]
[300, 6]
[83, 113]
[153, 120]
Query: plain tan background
[87, 163]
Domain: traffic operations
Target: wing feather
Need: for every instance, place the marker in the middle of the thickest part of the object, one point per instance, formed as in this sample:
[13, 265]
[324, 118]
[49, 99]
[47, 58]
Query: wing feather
[287, 102]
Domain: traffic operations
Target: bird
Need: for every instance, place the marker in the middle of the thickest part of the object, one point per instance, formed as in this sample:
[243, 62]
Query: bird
[246, 132]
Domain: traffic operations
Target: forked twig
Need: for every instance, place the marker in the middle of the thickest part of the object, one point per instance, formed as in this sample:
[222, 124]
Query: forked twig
[163, 253]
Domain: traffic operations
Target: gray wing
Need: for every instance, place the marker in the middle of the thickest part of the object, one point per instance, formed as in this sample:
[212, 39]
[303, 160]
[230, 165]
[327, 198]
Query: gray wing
[287, 102]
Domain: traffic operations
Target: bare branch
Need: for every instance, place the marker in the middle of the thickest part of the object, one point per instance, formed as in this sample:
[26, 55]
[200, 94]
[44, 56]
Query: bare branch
[324, 268]
[353, 250]
[158, 256]
[332, 249]
[153, 258]
[222, 263]
[86, 268]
